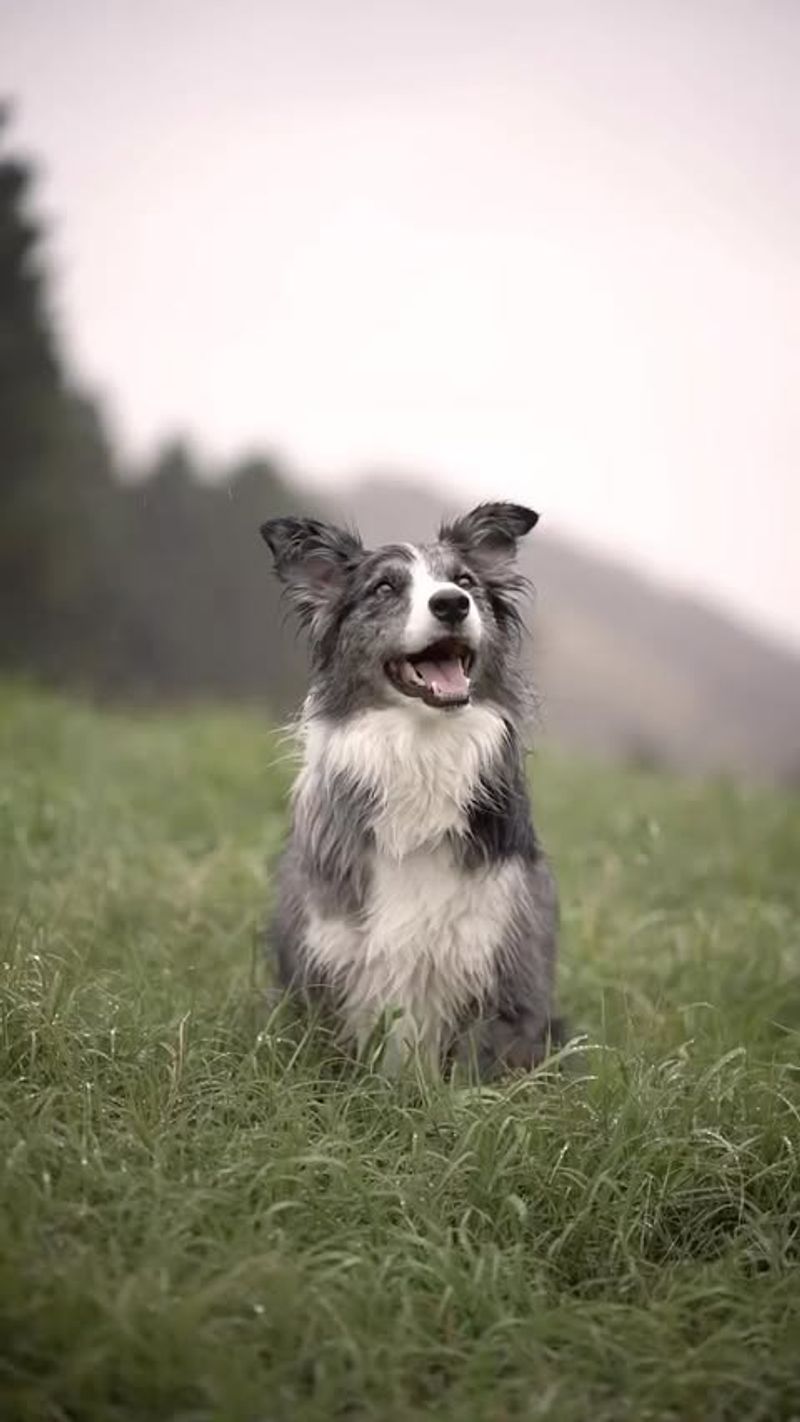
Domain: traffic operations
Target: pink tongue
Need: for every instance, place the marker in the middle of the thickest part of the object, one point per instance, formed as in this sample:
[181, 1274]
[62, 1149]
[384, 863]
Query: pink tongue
[445, 678]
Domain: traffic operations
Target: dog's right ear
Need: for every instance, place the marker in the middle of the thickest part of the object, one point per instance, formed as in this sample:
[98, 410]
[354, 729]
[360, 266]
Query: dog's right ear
[312, 560]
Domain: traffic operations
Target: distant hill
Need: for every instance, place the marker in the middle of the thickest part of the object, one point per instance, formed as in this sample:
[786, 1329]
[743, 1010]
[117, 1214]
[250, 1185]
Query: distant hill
[625, 665]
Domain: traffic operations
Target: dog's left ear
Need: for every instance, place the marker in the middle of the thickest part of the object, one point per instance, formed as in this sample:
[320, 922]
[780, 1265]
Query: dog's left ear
[312, 559]
[490, 529]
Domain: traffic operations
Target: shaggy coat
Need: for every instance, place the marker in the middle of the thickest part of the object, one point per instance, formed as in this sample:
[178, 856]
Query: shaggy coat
[413, 893]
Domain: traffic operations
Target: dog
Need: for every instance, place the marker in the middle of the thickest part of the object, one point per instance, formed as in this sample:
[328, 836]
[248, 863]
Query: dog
[413, 892]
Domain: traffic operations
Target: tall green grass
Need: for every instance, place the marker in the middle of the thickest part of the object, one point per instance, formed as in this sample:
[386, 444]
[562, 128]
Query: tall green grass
[206, 1214]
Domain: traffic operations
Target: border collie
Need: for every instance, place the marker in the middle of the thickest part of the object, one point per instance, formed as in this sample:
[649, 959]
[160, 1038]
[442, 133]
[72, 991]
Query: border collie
[413, 891]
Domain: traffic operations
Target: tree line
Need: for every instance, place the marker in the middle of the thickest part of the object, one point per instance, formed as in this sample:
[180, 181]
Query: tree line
[136, 582]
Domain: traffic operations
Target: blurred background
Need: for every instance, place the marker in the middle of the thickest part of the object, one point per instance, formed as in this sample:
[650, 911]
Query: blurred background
[380, 259]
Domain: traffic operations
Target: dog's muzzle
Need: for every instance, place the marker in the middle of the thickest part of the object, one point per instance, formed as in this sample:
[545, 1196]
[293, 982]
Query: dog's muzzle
[439, 675]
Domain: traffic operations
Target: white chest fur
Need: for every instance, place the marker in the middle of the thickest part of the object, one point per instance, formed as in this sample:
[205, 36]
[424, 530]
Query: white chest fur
[422, 765]
[426, 948]
[426, 943]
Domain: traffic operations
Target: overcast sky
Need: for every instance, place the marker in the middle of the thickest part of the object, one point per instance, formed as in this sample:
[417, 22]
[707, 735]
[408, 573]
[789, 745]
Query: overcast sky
[535, 248]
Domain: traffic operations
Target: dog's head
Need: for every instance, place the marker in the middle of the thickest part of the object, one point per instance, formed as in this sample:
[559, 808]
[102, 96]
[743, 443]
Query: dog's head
[436, 625]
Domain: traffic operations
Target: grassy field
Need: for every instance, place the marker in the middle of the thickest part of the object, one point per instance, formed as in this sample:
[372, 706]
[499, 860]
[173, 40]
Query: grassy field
[205, 1216]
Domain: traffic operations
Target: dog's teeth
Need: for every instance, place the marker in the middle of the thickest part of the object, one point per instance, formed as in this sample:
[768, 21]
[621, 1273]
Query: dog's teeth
[408, 672]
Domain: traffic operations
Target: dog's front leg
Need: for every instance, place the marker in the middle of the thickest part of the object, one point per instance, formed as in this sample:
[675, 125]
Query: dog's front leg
[515, 1029]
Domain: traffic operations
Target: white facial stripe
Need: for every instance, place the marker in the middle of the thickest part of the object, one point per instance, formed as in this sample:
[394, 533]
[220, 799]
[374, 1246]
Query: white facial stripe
[422, 627]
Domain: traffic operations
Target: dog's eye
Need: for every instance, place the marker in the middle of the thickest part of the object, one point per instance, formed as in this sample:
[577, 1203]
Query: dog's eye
[384, 588]
[465, 580]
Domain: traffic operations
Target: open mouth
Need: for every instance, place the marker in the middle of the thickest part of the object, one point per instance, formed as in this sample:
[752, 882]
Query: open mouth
[438, 675]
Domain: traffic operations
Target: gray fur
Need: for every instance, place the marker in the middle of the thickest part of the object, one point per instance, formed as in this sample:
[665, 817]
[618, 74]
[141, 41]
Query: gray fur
[517, 1025]
[354, 603]
[333, 831]
[327, 862]
[500, 823]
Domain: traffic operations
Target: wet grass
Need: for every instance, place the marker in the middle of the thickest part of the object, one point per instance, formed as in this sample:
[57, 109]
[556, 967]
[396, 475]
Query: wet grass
[206, 1215]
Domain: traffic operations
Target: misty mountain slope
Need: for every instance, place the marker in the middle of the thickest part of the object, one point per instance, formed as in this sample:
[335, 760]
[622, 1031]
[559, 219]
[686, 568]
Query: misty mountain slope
[624, 665]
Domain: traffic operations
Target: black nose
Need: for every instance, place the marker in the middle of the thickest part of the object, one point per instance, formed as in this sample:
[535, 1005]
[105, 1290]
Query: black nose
[450, 605]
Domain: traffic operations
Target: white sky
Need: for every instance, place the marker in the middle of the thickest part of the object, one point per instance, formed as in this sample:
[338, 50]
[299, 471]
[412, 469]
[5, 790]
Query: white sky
[545, 249]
